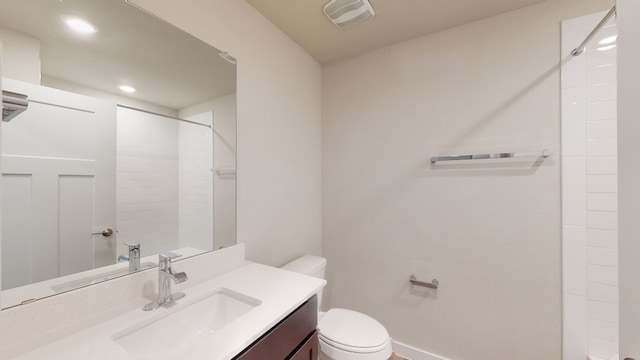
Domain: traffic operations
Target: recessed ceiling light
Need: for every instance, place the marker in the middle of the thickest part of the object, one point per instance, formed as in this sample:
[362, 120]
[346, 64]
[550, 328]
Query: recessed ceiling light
[127, 88]
[79, 25]
[608, 40]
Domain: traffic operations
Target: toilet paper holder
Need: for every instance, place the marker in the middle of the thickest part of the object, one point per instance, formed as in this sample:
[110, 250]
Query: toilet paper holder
[432, 285]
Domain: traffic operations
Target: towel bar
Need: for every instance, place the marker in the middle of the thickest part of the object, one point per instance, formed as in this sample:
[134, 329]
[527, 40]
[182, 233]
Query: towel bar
[542, 153]
[432, 285]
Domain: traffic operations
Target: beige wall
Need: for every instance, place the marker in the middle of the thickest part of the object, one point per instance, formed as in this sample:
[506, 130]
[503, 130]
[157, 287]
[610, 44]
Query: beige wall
[490, 232]
[629, 176]
[22, 60]
[278, 125]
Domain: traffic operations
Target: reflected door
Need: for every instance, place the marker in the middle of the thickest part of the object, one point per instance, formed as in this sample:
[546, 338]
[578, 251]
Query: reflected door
[58, 181]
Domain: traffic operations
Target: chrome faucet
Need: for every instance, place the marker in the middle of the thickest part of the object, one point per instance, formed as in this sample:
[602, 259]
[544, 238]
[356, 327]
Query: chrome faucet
[133, 257]
[166, 274]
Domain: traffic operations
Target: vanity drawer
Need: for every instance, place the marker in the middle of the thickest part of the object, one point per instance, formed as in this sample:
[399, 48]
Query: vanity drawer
[287, 339]
[309, 350]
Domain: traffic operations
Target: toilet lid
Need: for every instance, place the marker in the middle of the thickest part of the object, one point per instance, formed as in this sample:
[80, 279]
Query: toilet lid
[352, 331]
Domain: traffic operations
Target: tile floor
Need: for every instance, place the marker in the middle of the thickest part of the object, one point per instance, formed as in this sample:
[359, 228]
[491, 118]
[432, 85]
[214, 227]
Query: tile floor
[396, 357]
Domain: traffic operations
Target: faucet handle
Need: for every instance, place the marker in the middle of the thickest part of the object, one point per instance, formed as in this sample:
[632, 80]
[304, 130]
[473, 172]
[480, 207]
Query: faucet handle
[164, 259]
[168, 255]
[132, 246]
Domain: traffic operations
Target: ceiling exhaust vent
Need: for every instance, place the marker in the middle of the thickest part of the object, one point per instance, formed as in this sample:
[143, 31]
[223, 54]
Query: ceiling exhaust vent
[13, 104]
[348, 13]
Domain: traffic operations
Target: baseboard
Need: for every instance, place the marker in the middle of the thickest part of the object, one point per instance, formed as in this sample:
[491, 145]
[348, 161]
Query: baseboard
[413, 353]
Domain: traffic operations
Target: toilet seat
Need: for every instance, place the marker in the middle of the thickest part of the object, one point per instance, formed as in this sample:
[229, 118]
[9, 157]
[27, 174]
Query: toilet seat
[347, 334]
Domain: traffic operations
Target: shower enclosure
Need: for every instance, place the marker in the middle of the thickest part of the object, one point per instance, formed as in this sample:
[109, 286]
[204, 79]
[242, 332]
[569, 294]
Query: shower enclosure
[589, 187]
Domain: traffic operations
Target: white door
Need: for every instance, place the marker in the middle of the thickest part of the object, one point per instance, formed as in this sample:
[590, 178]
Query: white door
[58, 177]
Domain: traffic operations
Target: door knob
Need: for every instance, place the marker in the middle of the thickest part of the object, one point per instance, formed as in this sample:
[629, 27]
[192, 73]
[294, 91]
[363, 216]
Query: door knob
[106, 232]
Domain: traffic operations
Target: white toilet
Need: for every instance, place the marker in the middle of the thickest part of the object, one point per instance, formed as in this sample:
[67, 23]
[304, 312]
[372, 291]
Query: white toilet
[344, 334]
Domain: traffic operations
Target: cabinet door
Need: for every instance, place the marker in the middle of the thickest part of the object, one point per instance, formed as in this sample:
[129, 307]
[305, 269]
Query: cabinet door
[283, 339]
[308, 351]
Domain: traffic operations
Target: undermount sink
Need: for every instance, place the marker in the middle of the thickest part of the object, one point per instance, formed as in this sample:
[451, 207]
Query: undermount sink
[183, 322]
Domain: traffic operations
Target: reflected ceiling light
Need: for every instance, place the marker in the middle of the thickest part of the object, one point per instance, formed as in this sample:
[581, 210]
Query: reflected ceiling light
[79, 25]
[608, 40]
[127, 88]
[605, 48]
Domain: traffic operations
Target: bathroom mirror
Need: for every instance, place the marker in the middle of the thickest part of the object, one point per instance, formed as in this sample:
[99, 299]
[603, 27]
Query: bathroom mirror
[129, 138]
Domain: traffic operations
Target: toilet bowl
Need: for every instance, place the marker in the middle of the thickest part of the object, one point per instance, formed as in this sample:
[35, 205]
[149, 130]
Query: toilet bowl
[344, 334]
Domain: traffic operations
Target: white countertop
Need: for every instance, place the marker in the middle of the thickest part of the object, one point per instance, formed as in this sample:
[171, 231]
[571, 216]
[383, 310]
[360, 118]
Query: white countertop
[46, 288]
[280, 292]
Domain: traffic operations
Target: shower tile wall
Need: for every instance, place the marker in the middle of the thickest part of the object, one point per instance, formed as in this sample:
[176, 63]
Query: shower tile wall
[164, 187]
[147, 182]
[195, 190]
[589, 192]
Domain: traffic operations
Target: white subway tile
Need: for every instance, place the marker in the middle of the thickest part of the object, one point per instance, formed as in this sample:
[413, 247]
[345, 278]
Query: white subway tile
[602, 202]
[602, 330]
[602, 165]
[602, 220]
[147, 182]
[608, 30]
[602, 238]
[602, 183]
[590, 97]
[603, 312]
[574, 72]
[602, 256]
[572, 33]
[573, 124]
[595, 59]
[603, 349]
[598, 129]
[602, 110]
[602, 147]
[602, 73]
[603, 275]
[601, 54]
[574, 260]
[602, 92]
[602, 293]
[574, 186]
[575, 327]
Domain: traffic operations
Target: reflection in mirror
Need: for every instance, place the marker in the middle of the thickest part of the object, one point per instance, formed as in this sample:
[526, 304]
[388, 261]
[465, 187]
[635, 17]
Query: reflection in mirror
[129, 138]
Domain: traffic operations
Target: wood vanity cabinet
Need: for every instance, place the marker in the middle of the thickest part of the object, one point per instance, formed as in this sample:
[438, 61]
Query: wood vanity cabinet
[294, 338]
[309, 350]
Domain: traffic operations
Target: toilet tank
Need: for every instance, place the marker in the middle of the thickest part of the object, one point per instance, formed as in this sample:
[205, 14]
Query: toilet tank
[309, 265]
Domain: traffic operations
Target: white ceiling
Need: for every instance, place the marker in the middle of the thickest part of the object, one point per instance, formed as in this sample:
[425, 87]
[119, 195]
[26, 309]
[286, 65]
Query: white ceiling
[395, 21]
[167, 66]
